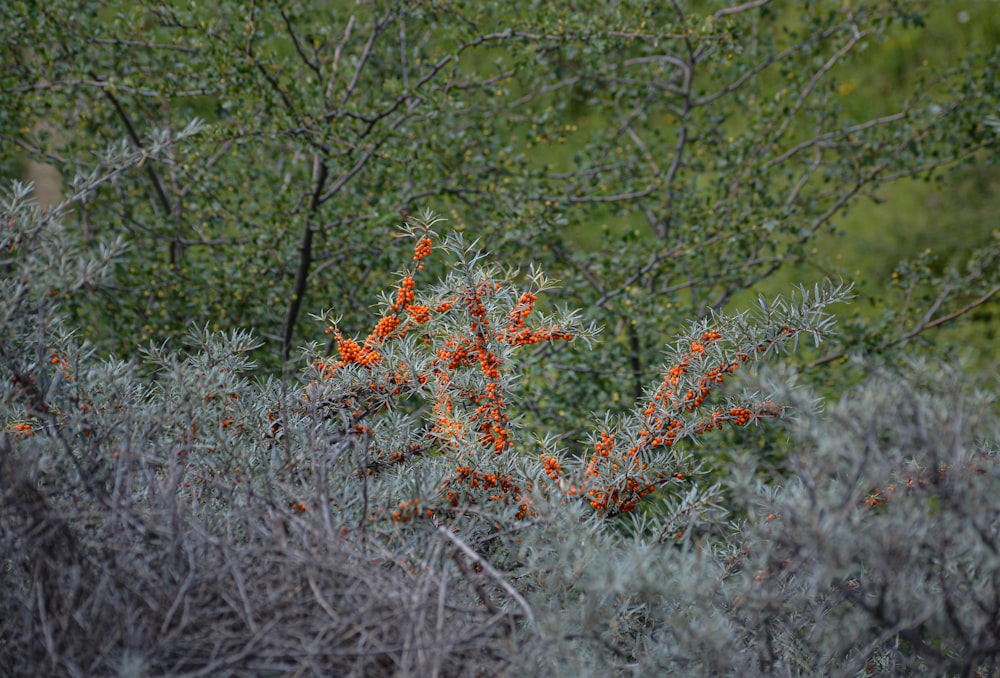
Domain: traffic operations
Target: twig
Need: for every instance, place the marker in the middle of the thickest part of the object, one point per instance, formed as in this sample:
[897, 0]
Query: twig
[491, 571]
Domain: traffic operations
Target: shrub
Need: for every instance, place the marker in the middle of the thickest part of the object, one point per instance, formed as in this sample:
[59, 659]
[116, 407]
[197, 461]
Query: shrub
[152, 524]
[386, 514]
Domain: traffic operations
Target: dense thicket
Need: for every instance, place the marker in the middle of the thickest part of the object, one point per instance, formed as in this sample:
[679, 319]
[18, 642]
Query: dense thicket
[476, 471]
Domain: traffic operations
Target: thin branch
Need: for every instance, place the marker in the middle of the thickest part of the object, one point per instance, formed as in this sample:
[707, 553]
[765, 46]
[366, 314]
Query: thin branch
[337, 51]
[34, 150]
[948, 318]
[137, 142]
[923, 327]
[738, 9]
[139, 43]
[797, 189]
[310, 62]
[305, 259]
[856, 37]
[492, 572]
[617, 197]
[831, 135]
[365, 55]
[764, 65]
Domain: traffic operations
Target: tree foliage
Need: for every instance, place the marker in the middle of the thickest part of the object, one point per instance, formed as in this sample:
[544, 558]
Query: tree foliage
[715, 142]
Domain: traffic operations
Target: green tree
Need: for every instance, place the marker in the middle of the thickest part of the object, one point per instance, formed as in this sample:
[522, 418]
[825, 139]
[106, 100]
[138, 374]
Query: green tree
[659, 159]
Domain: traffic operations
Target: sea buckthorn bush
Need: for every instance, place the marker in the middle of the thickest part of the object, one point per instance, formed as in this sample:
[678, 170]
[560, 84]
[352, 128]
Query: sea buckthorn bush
[171, 514]
[386, 512]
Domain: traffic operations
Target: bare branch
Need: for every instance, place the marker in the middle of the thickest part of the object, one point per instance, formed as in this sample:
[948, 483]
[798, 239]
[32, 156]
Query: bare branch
[738, 9]
[492, 572]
